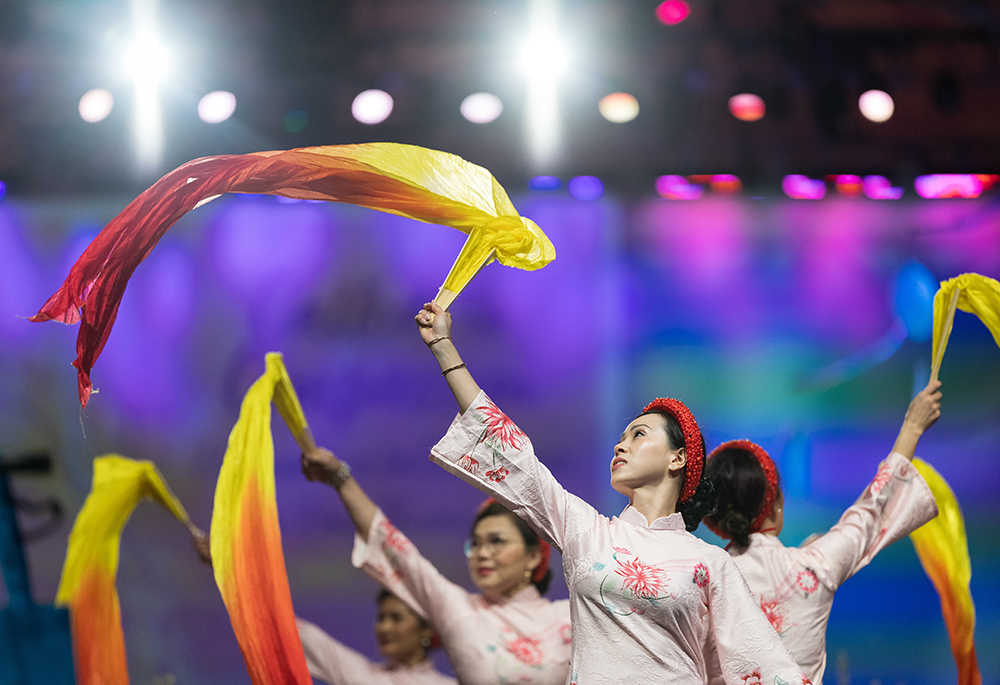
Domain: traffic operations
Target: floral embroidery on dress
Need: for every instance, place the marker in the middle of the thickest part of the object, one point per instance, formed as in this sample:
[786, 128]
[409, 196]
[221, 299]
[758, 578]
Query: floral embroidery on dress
[469, 464]
[752, 678]
[497, 475]
[807, 581]
[775, 613]
[622, 550]
[881, 479]
[700, 575]
[566, 633]
[394, 538]
[525, 650]
[641, 579]
[500, 428]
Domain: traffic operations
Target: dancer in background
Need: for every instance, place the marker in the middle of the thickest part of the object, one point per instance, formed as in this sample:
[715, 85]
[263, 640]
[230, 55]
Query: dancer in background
[794, 586]
[651, 602]
[509, 633]
[404, 639]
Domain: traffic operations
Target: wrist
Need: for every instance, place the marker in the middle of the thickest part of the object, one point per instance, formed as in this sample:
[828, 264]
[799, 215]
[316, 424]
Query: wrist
[339, 475]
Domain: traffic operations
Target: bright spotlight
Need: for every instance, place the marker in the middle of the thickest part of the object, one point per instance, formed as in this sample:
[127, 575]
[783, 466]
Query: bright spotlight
[216, 106]
[543, 54]
[372, 106]
[876, 105]
[481, 108]
[747, 107]
[619, 107]
[147, 60]
[96, 104]
[672, 12]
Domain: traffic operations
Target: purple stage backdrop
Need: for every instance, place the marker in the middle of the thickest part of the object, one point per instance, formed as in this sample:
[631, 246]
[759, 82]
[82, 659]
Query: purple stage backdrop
[767, 317]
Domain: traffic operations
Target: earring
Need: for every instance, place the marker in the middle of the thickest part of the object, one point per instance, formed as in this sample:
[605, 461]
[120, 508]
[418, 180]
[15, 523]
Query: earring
[425, 642]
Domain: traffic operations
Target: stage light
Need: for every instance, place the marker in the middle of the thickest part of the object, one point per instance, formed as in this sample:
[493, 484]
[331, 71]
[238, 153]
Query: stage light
[619, 107]
[545, 183]
[543, 54]
[146, 59]
[372, 106]
[747, 107]
[96, 104]
[876, 105]
[586, 188]
[481, 108]
[543, 58]
[726, 184]
[879, 188]
[940, 186]
[800, 187]
[674, 187]
[217, 106]
[672, 12]
[848, 184]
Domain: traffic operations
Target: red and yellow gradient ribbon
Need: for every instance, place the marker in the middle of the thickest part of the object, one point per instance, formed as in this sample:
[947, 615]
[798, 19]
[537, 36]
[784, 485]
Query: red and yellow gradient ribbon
[943, 550]
[245, 538]
[414, 182]
[87, 586]
[971, 293]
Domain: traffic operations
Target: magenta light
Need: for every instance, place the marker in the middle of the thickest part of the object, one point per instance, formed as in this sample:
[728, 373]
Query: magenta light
[879, 188]
[939, 186]
[726, 184]
[677, 188]
[800, 187]
[849, 185]
[672, 12]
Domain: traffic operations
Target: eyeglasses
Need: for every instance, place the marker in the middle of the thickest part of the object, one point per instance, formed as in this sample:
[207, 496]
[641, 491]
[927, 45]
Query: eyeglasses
[491, 545]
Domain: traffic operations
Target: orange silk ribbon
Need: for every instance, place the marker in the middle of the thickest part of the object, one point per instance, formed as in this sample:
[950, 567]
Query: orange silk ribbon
[87, 586]
[426, 185]
[943, 550]
[246, 540]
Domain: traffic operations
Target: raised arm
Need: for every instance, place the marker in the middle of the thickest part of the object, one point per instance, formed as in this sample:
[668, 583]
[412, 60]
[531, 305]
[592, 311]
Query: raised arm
[435, 329]
[923, 411]
[321, 465]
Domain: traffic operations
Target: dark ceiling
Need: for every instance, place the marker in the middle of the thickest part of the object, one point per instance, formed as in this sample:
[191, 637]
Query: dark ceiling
[810, 61]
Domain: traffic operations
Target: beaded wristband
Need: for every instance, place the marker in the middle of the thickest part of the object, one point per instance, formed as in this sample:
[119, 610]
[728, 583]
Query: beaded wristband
[341, 476]
[437, 340]
[453, 368]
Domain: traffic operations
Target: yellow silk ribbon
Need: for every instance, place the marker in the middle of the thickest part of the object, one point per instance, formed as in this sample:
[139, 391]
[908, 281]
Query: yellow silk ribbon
[87, 586]
[246, 540]
[971, 293]
[943, 550]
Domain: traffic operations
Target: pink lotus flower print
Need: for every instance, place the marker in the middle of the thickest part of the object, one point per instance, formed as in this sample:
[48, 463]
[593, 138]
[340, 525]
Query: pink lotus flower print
[807, 581]
[499, 428]
[394, 538]
[775, 613]
[881, 479]
[497, 475]
[525, 650]
[469, 464]
[700, 575]
[752, 678]
[643, 580]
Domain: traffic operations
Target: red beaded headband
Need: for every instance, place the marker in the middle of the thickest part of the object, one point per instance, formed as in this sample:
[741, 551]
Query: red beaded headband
[692, 441]
[770, 475]
[543, 547]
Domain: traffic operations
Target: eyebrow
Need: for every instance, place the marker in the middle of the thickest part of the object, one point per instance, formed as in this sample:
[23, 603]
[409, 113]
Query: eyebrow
[633, 428]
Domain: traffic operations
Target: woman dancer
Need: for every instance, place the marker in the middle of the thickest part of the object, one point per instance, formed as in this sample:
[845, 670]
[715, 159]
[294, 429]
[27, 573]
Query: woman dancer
[794, 586]
[404, 639]
[509, 633]
[651, 602]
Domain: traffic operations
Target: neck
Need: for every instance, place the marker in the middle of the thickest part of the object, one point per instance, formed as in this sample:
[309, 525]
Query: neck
[414, 658]
[655, 502]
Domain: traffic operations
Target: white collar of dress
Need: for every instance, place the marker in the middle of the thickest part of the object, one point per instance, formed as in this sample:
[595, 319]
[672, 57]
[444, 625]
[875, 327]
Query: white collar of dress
[672, 522]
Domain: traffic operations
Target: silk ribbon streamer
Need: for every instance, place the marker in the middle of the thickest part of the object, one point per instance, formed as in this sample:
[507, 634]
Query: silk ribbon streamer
[246, 540]
[943, 550]
[87, 586]
[971, 293]
[427, 185]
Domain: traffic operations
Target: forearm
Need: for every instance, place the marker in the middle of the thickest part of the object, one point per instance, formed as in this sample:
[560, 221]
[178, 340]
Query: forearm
[906, 441]
[359, 506]
[463, 385]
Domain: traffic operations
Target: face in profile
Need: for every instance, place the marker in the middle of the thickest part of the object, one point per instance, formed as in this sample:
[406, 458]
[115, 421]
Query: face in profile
[643, 456]
[499, 562]
[402, 637]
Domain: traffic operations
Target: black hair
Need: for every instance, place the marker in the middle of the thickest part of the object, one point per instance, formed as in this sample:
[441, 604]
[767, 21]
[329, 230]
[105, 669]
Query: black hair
[528, 535]
[702, 503]
[741, 485]
[384, 594]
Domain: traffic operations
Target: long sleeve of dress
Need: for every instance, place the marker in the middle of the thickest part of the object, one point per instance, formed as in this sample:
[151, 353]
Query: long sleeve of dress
[894, 504]
[487, 450]
[749, 651]
[331, 661]
[390, 558]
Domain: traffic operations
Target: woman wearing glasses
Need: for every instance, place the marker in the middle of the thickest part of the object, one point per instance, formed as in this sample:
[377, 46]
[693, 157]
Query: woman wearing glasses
[508, 632]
